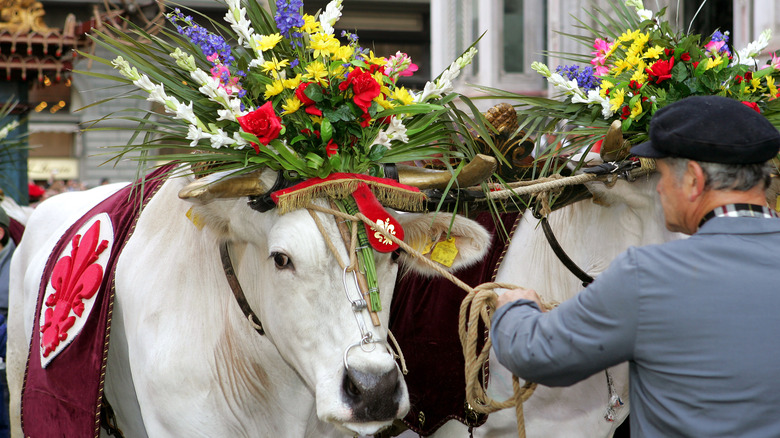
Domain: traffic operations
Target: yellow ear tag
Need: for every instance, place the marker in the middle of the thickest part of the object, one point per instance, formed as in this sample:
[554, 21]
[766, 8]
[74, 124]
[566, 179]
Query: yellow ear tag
[777, 204]
[427, 248]
[444, 252]
[195, 219]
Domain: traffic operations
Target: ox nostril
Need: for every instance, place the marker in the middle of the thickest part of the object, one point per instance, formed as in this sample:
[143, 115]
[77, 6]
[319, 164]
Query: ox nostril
[352, 390]
[372, 396]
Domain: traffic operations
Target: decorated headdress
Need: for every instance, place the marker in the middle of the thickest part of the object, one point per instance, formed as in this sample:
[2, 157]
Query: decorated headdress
[635, 64]
[277, 89]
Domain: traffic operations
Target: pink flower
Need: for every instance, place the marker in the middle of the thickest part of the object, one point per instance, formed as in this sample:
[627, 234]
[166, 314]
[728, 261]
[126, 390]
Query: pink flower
[601, 70]
[213, 57]
[714, 46]
[775, 63]
[400, 64]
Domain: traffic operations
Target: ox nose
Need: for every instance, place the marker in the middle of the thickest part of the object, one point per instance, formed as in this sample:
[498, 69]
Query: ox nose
[372, 396]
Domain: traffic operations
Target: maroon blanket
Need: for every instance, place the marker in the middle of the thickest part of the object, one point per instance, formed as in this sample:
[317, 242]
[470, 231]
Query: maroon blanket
[63, 385]
[424, 319]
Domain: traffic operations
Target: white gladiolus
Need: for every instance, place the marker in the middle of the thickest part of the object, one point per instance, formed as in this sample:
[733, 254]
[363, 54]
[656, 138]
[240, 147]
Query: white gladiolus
[444, 84]
[195, 133]
[8, 128]
[145, 84]
[219, 139]
[185, 112]
[240, 142]
[330, 16]
[158, 95]
[747, 56]
[644, 14]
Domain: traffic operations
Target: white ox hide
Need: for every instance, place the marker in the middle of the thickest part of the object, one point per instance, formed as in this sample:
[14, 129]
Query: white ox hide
[592, 235]
[183, 359]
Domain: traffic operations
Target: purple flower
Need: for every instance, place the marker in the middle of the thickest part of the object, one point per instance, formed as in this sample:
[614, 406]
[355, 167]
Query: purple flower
[209, 43]
[718, 44]
[288, 15]
[584, 76]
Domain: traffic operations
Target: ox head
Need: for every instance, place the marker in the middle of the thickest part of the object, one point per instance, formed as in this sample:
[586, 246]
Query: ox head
[304, 299]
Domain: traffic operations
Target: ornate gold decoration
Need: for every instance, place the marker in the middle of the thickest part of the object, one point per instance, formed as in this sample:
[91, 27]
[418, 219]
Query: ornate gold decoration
[22, 16]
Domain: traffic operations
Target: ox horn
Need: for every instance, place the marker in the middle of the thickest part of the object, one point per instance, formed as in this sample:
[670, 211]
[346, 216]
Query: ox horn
[473, 173]
[220, 186]
[614, 148]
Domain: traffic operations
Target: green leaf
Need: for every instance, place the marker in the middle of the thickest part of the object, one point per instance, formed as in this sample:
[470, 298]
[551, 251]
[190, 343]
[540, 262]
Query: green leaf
[326, 130]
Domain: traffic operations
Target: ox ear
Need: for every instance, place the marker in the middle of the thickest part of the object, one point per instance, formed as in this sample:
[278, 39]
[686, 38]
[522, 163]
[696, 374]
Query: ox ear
[423, 231]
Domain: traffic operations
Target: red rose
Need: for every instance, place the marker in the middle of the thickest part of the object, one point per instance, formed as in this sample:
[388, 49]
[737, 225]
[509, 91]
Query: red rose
[364, 87]
[738, 79]
[365, 120]
[626, 112]
[331, 148]
[695, 64]
[685, 57]
[753, 106]
[300, 93]
[748, 75]
[660, 71]
[263, 123]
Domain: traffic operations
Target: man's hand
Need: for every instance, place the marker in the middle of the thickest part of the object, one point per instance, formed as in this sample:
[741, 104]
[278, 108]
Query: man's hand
[519, 293]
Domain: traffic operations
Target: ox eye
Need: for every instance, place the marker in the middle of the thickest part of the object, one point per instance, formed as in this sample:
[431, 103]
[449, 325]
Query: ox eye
[396, 254]
[282, 261]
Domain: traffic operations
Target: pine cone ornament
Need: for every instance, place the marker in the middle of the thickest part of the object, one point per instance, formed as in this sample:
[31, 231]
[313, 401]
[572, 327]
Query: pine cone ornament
[503, 117]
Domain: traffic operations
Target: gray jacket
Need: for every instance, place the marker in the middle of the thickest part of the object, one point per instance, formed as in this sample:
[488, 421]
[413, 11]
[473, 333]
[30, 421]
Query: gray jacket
[697, 319]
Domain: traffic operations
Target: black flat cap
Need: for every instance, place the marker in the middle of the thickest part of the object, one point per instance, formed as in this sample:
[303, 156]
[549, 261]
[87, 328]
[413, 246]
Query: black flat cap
[713, 129]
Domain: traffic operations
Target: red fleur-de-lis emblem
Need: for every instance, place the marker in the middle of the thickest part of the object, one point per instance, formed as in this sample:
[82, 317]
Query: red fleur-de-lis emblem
[74, 279]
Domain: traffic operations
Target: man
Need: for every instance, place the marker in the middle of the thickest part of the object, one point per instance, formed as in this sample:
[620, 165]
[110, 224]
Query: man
[698, 319]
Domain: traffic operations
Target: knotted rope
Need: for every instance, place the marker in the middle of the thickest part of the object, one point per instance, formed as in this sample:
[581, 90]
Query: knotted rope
[479, 303]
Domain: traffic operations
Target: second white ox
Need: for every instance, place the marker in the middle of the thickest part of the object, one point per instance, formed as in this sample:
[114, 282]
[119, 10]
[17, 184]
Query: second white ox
[628, 214]
[184, 361]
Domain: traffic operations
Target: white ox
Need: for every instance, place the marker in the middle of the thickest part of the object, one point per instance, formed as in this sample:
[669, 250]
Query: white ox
[592, 235]
[184, 361]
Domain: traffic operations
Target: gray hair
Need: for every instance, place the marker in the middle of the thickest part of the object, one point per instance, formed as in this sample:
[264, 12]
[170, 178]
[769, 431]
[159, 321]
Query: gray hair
[718, 176]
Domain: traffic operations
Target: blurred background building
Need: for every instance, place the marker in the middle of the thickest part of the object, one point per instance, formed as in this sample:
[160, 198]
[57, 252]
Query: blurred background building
[39, 40]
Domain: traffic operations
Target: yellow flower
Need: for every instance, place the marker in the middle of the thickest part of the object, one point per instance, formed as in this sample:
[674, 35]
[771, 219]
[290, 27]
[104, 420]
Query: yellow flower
[291, 105]
[374, 60]
[384, 103]
[714, 62]
[629, 35]
[268, 42]
[617, 99]
[343, 53]
[316, 72]
[620, 65]
[639, 76]
[605, 85]
[292, 83]
[273, 65]
[612, 49]
[636, 110]
[755, 83]
[310, 24]
[653, 52]
[402, 95]
[323, 44]
[642, 39]
[770, 84]
[273, 89]
[317, 120]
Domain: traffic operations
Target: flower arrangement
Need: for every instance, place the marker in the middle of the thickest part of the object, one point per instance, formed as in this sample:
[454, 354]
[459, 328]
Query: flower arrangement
[638, 64]
[277, 88]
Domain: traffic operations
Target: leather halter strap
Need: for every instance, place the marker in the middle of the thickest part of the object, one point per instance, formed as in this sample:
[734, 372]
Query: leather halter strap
[562, 256]
[235, 286]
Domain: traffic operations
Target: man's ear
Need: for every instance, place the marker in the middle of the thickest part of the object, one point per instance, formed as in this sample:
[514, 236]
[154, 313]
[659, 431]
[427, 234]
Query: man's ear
[694, 180]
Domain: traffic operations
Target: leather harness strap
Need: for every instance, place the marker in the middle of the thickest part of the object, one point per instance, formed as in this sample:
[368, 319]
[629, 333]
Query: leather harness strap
[235, 286]
[562, 256]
